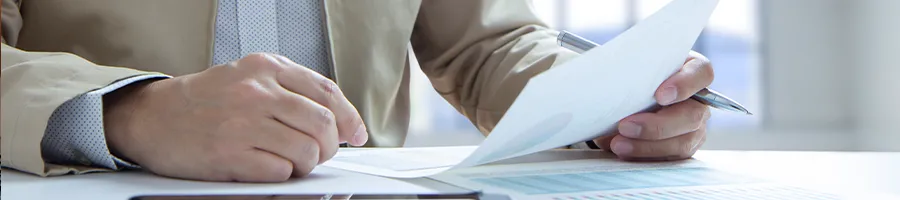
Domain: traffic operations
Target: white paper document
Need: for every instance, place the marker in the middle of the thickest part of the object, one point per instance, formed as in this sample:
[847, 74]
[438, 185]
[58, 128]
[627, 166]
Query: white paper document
[571, 103]
[613, 179]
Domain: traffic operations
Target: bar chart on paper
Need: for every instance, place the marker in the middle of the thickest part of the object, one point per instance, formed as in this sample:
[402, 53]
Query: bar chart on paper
[581, 180]
[614, 180]
[749, 192]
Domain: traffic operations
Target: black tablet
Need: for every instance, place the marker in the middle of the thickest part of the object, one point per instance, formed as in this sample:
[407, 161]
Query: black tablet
[463, 196]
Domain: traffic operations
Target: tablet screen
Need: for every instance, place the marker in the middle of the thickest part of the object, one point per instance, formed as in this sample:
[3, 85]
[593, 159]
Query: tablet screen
[470, 196]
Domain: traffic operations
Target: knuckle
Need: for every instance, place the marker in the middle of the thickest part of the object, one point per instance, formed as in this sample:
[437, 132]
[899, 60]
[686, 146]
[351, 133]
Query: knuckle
[698, 116]
[219, 155]
[321, 119]
[262, 61]
[325, 120]
[651, 150]
[304, 171]
[649, 131]
[320, 126]
[656, 132]
[311, 155]
[276, 172]
[318, 129]
[691, 143]
[352, 122]
[685, 147]
[700, 141]
[329, 152]
[311, 150]
[329, 89]
[257, 57]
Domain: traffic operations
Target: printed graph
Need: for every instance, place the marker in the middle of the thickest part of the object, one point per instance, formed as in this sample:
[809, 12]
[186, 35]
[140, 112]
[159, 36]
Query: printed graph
[613, 180]
[672, 183]
[724, 193]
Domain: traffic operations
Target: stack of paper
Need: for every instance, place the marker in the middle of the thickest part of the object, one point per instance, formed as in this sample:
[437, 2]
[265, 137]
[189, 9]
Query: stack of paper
[571, 103]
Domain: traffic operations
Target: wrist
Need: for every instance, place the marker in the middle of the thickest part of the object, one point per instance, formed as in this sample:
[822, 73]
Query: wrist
[120, 108]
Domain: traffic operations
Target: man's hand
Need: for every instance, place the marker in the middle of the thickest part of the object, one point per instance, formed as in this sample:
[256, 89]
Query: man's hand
[262, 118]
[674, 132]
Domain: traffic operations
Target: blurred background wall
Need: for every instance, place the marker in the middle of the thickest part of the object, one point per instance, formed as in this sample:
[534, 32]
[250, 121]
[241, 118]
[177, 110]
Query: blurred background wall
[818, 74]
[875, 46]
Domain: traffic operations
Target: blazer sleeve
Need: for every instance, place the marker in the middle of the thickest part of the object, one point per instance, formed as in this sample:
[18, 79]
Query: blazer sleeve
[479, 54]
[33, 85]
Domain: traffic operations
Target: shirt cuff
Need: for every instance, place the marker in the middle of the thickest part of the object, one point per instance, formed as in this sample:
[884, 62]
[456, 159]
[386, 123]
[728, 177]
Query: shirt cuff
[75, 133]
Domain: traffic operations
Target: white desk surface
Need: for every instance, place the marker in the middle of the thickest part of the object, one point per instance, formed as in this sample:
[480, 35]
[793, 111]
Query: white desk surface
[858, 171]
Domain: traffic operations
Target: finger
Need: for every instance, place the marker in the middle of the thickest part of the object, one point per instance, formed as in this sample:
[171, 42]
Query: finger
[695, 75]
[308, 83]
[303, 151]
[260, 166]
[304, 115]
[603, 141]
[668, 122]
[675, 148]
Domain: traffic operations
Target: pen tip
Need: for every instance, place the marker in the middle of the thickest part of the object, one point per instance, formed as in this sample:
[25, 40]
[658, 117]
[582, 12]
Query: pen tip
[741, 109]
[748, 112]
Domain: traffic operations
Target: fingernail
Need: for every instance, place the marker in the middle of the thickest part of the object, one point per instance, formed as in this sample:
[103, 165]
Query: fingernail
[693, 64]
[630, 129]
[359, 138]
[668, 95]
[622, 148]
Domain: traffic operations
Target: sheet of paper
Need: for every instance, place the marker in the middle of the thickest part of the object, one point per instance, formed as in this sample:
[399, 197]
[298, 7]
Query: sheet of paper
[587, 96]
[583, 97]
[613, 179]
[401, 162]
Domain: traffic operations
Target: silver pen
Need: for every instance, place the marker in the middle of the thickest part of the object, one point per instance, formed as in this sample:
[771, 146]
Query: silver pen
[706, 96]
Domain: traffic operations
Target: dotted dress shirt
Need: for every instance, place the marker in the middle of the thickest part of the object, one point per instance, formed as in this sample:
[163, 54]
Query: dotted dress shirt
[292, 28]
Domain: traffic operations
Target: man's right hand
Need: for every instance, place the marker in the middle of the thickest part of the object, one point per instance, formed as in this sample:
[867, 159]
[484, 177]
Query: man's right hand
[262, 118]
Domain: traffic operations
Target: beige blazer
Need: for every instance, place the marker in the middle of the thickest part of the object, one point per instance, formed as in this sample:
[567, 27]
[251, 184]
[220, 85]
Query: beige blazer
[477, 53]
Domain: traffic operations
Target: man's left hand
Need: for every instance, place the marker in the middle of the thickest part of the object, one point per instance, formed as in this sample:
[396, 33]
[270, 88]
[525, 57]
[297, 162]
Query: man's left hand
[676, 130]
